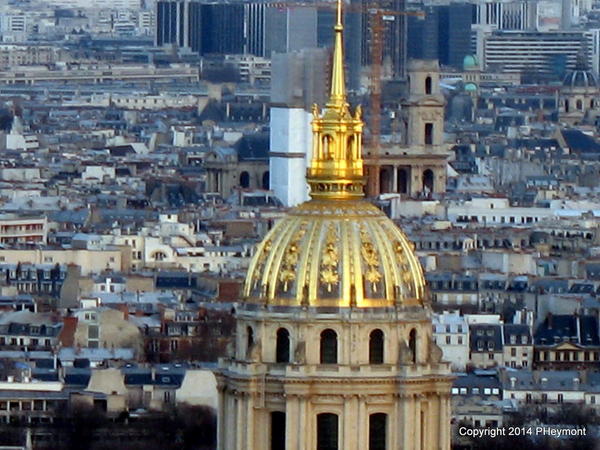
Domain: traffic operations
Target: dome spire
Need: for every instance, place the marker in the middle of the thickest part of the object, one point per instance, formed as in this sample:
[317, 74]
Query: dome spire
[338, 82]
[336, 167]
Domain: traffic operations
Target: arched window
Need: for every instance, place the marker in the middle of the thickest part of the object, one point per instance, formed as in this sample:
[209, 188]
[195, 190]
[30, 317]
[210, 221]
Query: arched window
[412, 344]
[403, 179]
[579, 105]
[282, 347]
[377, 431]
[328, 149]
[350, 148]
[277, 430]
[428, 181]
[428, 85]
[265, 180]
[428, 134]
[329, 347]
[249, 339]
[376, 347]
[327, 431]
[244, 180]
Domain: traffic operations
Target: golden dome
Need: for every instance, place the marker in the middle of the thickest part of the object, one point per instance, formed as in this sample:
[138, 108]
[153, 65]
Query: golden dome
[336, 249]
[344, 254]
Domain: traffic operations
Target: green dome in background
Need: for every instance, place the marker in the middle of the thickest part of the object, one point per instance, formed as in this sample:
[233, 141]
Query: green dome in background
[470, 62]
[470, 87]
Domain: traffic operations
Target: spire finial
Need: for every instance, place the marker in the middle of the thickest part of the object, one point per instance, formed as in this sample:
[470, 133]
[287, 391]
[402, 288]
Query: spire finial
[338, 82]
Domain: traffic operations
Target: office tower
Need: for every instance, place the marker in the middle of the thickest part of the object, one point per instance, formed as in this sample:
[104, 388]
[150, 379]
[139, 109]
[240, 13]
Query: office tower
[290, 28]
[423, 34]
[454, 33]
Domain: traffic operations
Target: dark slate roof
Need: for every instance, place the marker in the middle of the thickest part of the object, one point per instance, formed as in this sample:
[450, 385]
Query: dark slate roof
[170, 375]
[582, 288]
[175, 280]
[485, 338]
[471, 380]
[74, 217]
[77, 377]
[121, 150]
[253, 147]
[546, 286]
[45, 374]
[579, 142]
[517, 330]
[44, 363]
[563, 328]
[137, 376]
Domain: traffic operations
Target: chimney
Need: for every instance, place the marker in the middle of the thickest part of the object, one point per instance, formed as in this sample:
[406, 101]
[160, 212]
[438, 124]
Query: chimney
[124, 309]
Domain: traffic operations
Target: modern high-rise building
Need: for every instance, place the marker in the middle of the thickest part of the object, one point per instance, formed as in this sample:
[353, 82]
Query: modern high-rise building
[454, 33]
[172, 23]
[289, 29]
[552, 53]
[394, 35]
[443, 33]
[222, 29]
[506, 15]
[207, 28]
[423, 34]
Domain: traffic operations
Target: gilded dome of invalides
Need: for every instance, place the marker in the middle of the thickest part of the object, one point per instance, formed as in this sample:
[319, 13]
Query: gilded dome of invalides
[336, 250]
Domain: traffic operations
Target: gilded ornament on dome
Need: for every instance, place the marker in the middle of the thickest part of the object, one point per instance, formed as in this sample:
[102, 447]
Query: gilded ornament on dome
[369, 254]
[286, 276]
[260, 263]
[373, 276]
[287, 273]
[329, 277]
[329, 259]
[398, 248]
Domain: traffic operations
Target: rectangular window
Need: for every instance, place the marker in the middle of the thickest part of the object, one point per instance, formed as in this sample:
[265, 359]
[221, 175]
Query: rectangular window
[93, 332]
[327, 432]
[277, 430]
[448, 340]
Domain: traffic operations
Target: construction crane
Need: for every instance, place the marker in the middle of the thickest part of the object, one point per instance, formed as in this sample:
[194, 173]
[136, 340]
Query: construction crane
[377, 19]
